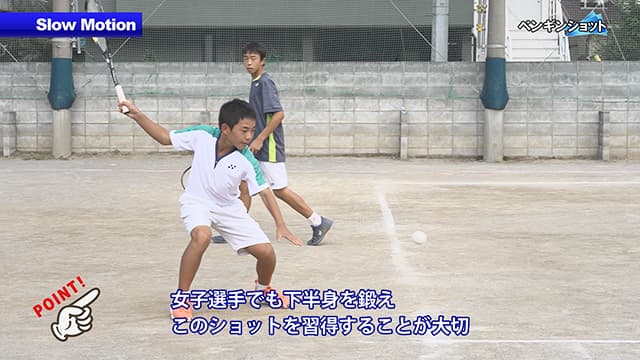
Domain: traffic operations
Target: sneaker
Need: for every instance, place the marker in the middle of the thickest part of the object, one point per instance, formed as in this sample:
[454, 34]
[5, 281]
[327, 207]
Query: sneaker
[284, 299]
[182, 312]
[320, 231]
[218, 239]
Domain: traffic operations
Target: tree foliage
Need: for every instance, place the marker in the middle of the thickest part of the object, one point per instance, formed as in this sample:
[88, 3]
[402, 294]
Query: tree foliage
[623, 40]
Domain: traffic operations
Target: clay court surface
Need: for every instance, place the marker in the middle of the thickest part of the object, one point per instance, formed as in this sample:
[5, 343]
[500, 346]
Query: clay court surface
[542, 257]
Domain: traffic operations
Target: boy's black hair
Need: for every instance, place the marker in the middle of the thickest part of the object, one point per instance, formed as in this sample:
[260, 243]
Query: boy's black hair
[255, 47]
[233, 111]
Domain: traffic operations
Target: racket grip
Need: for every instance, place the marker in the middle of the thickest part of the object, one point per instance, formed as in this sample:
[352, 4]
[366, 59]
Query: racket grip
[121, 97]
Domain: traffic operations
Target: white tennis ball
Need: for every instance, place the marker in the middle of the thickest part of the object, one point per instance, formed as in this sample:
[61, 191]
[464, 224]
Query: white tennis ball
[419, 237]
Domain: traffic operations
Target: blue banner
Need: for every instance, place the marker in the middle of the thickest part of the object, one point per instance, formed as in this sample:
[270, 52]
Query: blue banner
[60, 24]
[592, 24]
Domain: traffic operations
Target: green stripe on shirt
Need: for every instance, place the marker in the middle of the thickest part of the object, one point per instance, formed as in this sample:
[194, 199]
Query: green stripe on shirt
[256, 166]
[214, 131]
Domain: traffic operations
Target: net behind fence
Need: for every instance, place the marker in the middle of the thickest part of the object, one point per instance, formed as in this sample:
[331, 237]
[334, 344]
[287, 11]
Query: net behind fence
[622, 18]
[24, 49]
[215, 31]
[321, 31]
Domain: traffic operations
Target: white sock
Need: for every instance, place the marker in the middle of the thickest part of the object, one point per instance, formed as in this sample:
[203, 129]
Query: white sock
[260, 286]
[315, 219]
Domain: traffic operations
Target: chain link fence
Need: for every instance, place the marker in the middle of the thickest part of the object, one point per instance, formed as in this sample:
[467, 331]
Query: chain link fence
[25, 49]
[320, 31]
[622, 18]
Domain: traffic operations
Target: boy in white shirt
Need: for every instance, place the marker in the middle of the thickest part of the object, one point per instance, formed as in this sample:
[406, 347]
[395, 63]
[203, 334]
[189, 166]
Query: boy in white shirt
[211, 198]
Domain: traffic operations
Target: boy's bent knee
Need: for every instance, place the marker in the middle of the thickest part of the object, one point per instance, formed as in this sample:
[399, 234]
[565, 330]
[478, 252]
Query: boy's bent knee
[201, 235]
[262, 251]
[280, 193]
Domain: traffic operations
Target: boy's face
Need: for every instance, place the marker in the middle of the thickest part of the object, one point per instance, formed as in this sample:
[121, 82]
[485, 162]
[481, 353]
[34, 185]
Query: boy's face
[253, 63]
[241, 134]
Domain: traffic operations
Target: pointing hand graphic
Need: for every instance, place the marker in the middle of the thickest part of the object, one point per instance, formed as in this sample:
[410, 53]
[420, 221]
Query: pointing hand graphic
[76, 318]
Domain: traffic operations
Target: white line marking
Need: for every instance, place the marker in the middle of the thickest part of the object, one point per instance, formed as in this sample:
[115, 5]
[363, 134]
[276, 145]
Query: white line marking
[398, 255]
[67, 170]
[532, 341]
[541, 183]
[512, 183]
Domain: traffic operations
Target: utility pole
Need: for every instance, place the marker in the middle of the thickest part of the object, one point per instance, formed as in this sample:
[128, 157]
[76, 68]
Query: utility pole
[440, 31]
[61, 91]
[494, 94]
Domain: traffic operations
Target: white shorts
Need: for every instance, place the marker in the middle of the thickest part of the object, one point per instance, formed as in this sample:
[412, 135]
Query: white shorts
[231, 221]
[275, 174]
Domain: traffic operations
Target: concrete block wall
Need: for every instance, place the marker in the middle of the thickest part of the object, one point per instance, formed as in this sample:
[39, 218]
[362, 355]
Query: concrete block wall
[8, 132]
[554, 109]
[347, 108]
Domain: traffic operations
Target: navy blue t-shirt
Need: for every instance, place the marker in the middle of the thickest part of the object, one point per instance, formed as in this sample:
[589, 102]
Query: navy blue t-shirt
[265, 101]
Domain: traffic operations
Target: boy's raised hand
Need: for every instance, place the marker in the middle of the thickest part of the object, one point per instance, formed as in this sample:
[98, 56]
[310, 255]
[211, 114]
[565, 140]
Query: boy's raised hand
[133, 109]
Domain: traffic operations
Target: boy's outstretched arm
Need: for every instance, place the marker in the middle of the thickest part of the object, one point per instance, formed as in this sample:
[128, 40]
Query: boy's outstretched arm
[281, 229]
[157, 132]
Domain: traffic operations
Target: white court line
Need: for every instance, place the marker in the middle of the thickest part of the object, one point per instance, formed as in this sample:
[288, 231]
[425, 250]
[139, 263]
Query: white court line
[161, 171]
[512, 183]
[532, 341]
[542, 182]
[398, 255]
[63, 170]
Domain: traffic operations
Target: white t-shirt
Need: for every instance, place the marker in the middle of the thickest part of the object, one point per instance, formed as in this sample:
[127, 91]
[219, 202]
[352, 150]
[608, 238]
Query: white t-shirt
[213, 179]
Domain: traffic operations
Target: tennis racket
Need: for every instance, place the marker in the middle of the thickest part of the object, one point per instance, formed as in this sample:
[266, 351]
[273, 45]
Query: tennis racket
[96, 6]
[182, 177]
